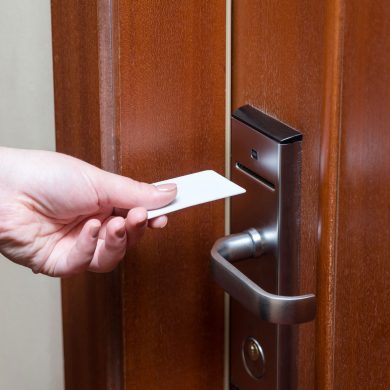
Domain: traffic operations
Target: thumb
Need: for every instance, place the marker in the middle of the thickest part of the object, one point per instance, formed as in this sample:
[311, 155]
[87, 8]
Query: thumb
[122, 192]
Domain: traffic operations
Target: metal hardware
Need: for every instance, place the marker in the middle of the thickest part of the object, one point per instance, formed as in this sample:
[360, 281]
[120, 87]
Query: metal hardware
[269, 307]
[263, 251]
[253, 357]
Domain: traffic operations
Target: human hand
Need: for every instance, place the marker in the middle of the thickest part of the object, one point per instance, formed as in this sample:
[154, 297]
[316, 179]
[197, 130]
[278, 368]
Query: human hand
[60, 216]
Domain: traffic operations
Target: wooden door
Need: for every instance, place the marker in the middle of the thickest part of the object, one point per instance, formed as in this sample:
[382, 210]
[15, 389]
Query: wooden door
[323, 67]
[140, 90]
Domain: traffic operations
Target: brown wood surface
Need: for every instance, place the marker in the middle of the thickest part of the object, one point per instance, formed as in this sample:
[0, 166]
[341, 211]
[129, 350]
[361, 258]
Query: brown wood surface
[139, 89]
[328, 192]
[362, 285]
[84, 128]
[323, 67]
[171, 122]
[278, 67]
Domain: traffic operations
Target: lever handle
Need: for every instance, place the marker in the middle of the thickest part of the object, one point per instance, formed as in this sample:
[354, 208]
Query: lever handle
[277, 309]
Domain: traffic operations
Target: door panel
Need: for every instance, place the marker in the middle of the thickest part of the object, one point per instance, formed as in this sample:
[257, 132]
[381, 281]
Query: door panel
[323, 68]
[278, 65]
[170, 121]
[362, 315]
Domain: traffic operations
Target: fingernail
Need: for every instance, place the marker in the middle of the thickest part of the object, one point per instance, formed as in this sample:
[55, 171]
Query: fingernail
[121, 232]
[168, 187]
[163, 222]
[94, 230]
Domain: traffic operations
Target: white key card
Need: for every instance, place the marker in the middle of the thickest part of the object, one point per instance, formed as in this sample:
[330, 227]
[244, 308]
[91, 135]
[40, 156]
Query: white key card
[197, 188]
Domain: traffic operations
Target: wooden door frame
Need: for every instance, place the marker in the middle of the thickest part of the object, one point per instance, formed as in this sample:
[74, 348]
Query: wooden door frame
[84, 66]
[89, 126]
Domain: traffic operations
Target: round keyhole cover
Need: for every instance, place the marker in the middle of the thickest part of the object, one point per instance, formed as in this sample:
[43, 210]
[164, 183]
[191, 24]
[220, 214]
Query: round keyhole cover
[253, 357]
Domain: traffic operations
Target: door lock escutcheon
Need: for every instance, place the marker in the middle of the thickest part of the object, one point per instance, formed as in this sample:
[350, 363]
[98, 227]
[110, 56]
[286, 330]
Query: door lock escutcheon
[258, 265]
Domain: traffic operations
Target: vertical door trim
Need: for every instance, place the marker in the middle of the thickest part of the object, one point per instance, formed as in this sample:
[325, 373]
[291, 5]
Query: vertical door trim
[84, 86]
[106, 84]
[107, 28]
[228, 109]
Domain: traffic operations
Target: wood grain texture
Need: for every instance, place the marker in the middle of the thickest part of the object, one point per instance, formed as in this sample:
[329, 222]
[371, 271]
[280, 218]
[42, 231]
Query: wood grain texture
[139, 89]
[328, 191]
[278, 67]
[170, 116]
[362, 287]
[84, 128]
[323, 68]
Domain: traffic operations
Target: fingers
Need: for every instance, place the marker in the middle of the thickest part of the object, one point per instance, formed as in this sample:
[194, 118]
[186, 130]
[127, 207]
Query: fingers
[104, 254]
[120, 235]
[111, 250]
[122, 192]
[82, 252]
[136, 223]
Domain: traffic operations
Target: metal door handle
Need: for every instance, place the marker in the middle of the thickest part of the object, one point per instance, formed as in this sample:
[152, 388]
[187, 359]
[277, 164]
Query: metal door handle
[277, 309]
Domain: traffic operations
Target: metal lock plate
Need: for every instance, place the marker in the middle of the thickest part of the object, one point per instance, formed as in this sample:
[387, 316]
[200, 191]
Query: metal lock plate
[258, 264]
[265, 160]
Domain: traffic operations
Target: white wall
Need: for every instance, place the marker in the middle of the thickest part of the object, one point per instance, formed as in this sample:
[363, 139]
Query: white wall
[30, 309]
